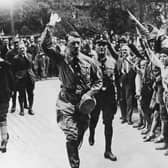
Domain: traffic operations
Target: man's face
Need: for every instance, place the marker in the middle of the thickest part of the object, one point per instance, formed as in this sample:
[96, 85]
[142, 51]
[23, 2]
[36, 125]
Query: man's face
[124, 52]
[22, 49]
[16, 45]
[143, 65]
[163, 58]
[101, 48]
[6, 42]
[74, 46]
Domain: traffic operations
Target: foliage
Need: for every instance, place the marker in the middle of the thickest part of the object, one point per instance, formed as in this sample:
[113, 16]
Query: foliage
[88, 16]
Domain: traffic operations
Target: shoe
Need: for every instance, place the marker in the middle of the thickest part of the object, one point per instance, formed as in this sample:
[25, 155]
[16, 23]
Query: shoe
[21, 113]
[149, 138]
[142, 127]
[159, 139]
[121, 118]
[130, 123]
[91, 140]
[26, 107]
[123, 121]
[162, 147]
[145, 131]
[166, 153]
[30, 112]
[137, 125]
[13, 109]
[4, 142]
[110, 155]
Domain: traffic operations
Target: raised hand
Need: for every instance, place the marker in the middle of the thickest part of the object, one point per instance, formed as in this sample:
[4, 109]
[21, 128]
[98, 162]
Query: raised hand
[54, 18]
[131, 16]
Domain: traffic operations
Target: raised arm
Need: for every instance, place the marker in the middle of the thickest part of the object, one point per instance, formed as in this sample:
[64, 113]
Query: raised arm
[111, 48]
[46, 40]
[154, 58]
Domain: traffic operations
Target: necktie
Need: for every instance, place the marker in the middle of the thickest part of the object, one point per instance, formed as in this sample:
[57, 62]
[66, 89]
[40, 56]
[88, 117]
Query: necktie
[77, 72]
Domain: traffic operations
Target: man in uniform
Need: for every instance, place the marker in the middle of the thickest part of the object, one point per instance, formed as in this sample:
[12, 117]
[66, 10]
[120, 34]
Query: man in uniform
[81, 78]
[10, 56]
[6, 88]
[106, 99]
[25, 78]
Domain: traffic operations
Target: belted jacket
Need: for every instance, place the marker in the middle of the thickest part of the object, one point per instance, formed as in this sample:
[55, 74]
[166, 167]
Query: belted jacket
[87, 78]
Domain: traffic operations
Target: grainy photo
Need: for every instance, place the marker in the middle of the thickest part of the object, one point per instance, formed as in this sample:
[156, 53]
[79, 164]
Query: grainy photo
[83, 83]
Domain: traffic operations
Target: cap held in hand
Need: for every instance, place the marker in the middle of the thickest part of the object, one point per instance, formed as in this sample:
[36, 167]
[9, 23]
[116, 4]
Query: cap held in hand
[87, 104]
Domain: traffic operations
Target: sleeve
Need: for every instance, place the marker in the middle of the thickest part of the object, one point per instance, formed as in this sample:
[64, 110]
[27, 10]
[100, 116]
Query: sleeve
[96, 80]
[112, 51]
[135, 50]
[48, 47]
[138, 84]
[155, 60]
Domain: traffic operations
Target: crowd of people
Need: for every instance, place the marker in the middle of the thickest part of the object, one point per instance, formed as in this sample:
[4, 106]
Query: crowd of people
[100, 74]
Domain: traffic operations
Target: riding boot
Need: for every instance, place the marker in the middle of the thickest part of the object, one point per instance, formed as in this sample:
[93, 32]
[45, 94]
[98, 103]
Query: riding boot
[4, 136]
[73, 154]
[91, 137]
[108, 141]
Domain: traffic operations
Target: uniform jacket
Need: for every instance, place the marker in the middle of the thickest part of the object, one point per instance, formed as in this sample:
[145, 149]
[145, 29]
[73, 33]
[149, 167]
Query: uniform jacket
[6, 81]
[89, 72]
[22, 67]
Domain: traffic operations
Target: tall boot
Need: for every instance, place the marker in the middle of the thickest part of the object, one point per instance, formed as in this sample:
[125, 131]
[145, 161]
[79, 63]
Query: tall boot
[22, 109]
[25, 101]
[4, 136]
[31, 101]
[108, 140]
[21, 103]
[165, 134]
[91, 136]
[161, 136]
[13, 109]
[73, 154]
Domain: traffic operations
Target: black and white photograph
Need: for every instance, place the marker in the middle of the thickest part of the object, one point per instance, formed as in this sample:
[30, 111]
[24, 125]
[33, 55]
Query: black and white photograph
[83, 83]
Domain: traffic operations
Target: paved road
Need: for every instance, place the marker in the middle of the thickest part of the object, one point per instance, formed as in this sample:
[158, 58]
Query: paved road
[37, 142]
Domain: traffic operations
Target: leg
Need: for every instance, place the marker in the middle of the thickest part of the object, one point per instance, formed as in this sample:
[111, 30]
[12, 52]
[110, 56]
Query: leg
[25, 100]
[21, 100]
[93, 123]
[109, 109]
[3, 125]
[155, 122]
[14, 102]
[69, 124]
[129, 100]
[164, 127]
[30, 90]
[122, 100]
[73, 154]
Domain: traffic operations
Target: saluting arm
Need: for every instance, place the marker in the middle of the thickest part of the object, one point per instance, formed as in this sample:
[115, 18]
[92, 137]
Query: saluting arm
[46, 39]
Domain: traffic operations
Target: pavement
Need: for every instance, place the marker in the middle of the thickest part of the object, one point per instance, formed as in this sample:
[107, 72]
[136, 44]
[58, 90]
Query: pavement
[37, 142]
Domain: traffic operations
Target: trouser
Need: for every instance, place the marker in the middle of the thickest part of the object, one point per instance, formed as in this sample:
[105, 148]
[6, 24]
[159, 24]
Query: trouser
[26, 86]
[164, 116]
[129, 102]
[3, 119]
[74, 125]
[105, 102]
[163, 112]
[122, 97]
[147, 93]
[130, 93]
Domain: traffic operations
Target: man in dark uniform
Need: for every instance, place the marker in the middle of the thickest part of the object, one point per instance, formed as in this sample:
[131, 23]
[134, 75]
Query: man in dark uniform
[9, 57]
[6, 87]
[24, 76]
[106, 98]
[80, 78]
